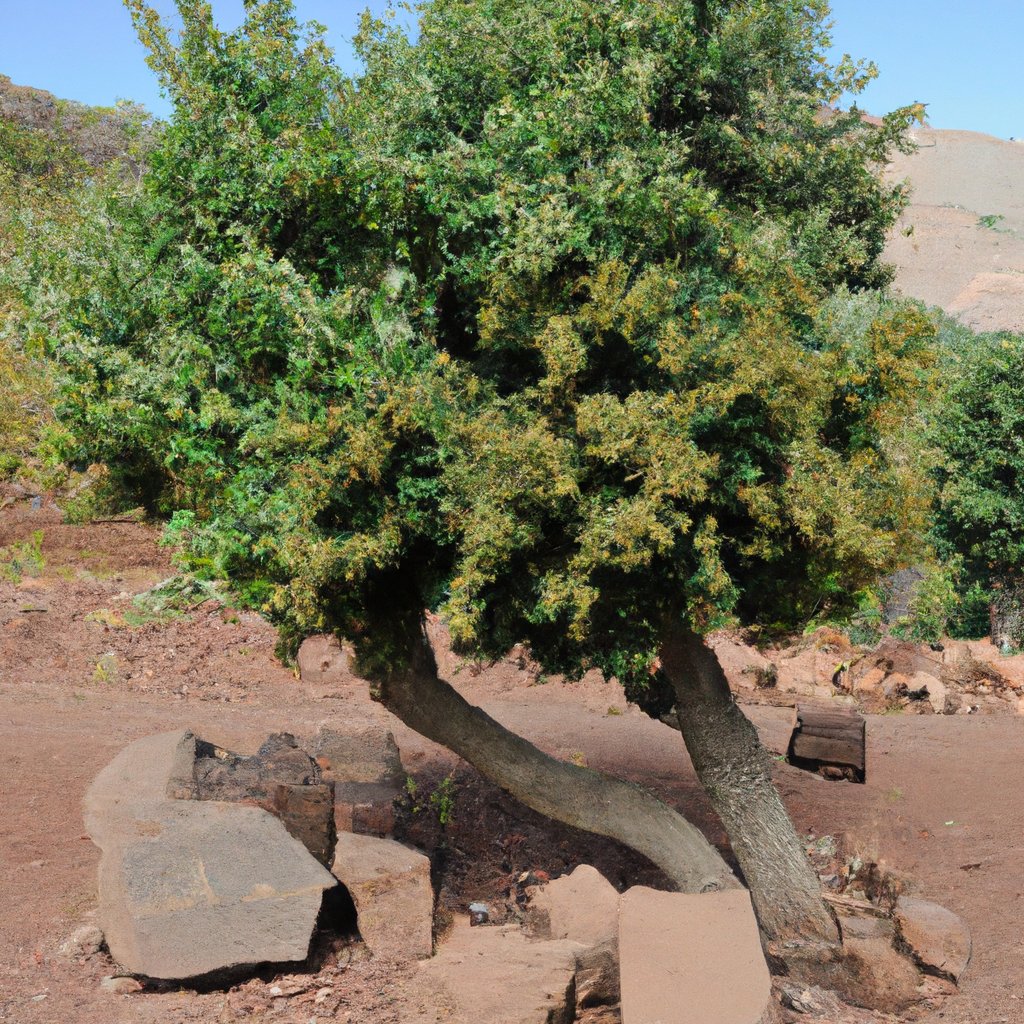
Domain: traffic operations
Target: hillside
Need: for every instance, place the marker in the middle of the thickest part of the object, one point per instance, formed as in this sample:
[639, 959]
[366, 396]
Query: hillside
[960, 244]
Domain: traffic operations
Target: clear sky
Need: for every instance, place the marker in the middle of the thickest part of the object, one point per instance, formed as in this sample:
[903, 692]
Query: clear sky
[964, 59]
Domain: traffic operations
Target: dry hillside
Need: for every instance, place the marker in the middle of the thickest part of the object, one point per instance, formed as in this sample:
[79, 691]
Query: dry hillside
[960, 245]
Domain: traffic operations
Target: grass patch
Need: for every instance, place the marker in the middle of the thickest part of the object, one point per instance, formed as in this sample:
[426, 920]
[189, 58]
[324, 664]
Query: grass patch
[24, 559]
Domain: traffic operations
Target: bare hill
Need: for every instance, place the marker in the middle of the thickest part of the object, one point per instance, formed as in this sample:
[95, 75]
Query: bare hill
[960, 245]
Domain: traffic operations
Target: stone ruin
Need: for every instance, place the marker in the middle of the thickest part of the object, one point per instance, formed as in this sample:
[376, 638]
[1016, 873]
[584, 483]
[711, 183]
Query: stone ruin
[213, 862]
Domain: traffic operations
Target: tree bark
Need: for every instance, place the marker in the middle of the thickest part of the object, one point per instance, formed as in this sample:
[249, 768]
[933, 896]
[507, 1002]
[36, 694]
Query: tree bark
[570, 794]
[735, 770]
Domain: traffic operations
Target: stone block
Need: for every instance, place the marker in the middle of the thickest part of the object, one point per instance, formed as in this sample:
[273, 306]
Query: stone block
[496, 975]
[188, 887]
[390, 886]
[582, 906]
[691, 959]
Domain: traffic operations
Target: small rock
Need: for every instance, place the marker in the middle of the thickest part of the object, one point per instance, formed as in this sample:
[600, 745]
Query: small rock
[938, 938]
[479, 913]
[323, 994]
[120, 986]
[84, 941]
[323, 666]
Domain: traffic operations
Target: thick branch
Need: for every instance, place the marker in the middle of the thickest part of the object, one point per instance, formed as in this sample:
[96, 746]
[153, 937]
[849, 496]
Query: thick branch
[570, 794]
[736, 772]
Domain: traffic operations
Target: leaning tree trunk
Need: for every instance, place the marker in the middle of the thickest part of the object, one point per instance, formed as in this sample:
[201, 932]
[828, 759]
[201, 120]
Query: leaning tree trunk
[570, 794]
[735, 771]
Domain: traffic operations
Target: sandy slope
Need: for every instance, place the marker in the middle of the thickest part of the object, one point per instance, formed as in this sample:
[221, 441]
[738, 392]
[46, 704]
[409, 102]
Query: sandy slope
[947, 254]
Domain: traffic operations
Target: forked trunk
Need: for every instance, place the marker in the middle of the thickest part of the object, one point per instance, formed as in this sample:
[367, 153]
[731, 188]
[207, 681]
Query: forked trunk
[735, 770]
[570, 794]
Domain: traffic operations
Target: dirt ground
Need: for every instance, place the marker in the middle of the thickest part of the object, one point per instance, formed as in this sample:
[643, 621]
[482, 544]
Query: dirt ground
[943, 807]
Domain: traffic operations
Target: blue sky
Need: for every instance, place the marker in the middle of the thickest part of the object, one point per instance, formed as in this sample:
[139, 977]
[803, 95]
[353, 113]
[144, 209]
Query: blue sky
[963, 59]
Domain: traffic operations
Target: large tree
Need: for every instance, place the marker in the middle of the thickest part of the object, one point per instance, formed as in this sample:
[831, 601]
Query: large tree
[539, 323]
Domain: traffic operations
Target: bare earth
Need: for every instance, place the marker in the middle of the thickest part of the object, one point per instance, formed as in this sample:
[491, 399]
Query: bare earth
[960, 245]
[943, 807]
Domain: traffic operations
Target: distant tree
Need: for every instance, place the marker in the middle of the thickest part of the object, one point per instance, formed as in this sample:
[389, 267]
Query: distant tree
[531, 324]
[977, 425]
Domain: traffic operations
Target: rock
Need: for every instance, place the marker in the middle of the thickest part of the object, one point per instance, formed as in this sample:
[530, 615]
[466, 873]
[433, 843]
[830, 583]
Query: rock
[881, 978]
[497, 976]
[85, 941]
[120, 986]
[192, 886]
[366, 769]
[870, 682]
[582, 906]
[938, 697]
[896, 686]
[691, 959]
[390, 887]
[938, 939]
[324, 667]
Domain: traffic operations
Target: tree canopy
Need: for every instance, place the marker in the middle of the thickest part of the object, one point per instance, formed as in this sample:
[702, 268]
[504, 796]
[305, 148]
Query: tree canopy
[539, 321]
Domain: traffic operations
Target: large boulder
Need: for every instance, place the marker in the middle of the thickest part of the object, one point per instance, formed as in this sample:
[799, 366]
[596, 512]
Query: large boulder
[691, 959]
[390, 886]
[189, 887]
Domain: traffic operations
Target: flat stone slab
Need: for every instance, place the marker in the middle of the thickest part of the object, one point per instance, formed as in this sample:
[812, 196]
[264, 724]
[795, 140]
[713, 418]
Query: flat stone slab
[188, 887]
[390, 886]
[938, 938]
[691, 959]
[496, 975]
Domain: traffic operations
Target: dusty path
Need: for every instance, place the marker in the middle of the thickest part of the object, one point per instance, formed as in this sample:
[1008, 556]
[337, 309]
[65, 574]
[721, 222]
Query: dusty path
[61, 721]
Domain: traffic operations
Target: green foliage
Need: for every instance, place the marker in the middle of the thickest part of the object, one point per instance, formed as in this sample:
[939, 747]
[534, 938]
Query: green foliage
[934, 603]
[50, 151]
[977, 422]
[23, 559]
[543, 321]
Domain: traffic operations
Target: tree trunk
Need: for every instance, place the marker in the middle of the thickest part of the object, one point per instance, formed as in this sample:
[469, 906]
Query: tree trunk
[1006, 615]
[570, 794]
[736, 772]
